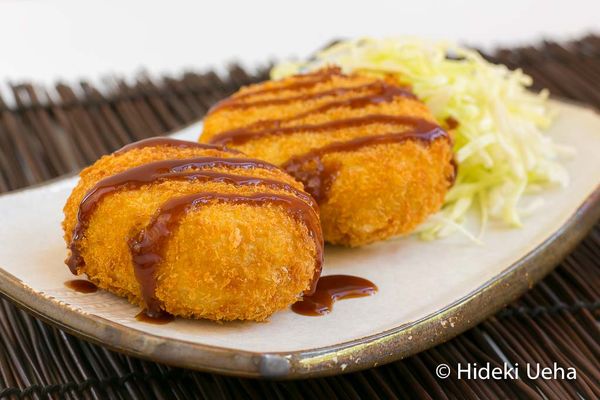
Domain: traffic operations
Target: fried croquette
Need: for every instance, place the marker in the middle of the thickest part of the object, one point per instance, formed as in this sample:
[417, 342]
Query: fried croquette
[365, 147]
[194, 230]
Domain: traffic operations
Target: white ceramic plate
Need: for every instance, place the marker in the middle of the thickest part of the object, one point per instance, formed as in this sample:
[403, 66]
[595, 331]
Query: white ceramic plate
[428, 291]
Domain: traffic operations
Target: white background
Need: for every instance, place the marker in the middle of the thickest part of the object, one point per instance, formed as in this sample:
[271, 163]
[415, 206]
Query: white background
[45, 40]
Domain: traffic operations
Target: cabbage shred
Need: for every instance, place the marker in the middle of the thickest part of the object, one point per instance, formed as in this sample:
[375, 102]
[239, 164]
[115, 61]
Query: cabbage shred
[499, 144]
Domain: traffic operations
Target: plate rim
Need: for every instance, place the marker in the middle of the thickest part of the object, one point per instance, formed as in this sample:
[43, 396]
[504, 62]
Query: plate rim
[366, 352]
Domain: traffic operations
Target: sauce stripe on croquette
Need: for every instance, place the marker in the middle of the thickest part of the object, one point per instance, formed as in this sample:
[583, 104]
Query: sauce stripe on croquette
[165, 141]
[379, 87]
[243, 135]
[318, 179]
[146, 258]
[147, 248]
[311, 80]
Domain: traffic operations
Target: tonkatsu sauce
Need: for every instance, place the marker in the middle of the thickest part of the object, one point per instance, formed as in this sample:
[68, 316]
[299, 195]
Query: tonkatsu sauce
[243, 135]
[312, 79]
[452, 123]
[309, 168]
[167, 170]
[330, 289]
[147, 248]
[166, 141]
[384, 92]
[81, 286]
[317, 180]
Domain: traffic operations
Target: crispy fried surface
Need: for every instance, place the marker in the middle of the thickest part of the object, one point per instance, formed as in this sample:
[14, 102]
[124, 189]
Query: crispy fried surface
[381, 190]
[223, 262]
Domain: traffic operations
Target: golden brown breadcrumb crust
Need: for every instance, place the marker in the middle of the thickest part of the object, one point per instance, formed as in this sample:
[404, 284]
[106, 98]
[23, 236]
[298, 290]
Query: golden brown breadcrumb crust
[223, 262]
[380, 190]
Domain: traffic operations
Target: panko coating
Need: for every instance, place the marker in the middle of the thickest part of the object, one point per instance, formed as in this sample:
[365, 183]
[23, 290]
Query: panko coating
[365, 147]
[194, 230]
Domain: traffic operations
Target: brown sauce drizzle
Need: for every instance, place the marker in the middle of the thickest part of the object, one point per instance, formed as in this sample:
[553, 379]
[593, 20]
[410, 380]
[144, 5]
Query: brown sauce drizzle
[312, 80]
[318, 180]
[159, 318]
[166, 141]
[81, 286]
[388, 93]
[243, 135]
[330, 289]
[147, 248]
[384, 94]
[162, 170]
[452, 123]
[382, 89]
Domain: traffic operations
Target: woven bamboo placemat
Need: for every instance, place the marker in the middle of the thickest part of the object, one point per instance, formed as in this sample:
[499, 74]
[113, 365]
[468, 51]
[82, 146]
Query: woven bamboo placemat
[48, 132]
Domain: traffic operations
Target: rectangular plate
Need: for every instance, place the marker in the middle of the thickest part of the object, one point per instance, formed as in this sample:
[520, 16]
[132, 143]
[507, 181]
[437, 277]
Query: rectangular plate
[426, 292]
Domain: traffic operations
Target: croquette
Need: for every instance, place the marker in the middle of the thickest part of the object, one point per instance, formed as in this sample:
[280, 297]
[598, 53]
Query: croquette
[194, 230]
[365, 147]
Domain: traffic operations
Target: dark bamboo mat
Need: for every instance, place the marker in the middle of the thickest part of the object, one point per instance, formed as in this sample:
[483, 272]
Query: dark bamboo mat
[48, 132]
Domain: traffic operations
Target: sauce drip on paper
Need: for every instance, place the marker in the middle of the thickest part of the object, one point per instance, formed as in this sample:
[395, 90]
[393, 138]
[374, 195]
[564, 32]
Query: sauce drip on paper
[81, 286]
[330, 289]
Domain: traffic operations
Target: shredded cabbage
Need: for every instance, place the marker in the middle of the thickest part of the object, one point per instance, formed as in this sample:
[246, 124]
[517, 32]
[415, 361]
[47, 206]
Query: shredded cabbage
[500, 148]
